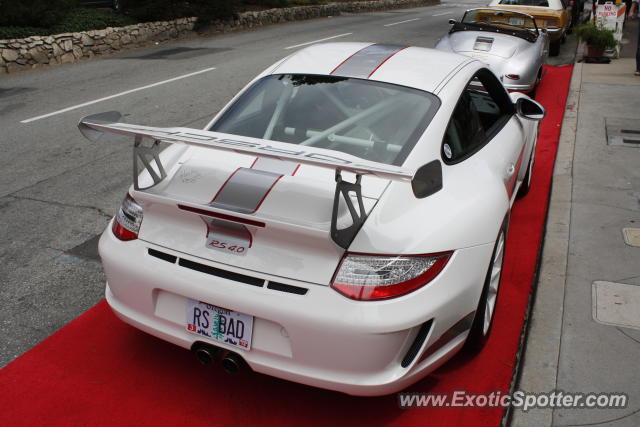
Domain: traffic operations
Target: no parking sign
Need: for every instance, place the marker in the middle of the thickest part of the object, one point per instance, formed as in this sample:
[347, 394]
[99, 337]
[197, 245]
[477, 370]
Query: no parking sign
[611, 17]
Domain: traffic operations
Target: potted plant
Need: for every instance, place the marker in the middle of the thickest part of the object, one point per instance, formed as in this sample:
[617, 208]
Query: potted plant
[596, 37]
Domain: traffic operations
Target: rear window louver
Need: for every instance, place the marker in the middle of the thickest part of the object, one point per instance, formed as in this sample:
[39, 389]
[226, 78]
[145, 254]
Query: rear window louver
[483, 44]
[236, 277]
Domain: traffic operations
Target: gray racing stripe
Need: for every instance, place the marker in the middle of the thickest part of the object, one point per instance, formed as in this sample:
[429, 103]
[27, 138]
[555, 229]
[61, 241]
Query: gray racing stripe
[366, 61]
[278, 166]
[246, 188]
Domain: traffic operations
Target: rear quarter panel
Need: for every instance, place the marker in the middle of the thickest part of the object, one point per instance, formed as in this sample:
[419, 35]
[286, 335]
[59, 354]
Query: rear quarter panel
[468, 211]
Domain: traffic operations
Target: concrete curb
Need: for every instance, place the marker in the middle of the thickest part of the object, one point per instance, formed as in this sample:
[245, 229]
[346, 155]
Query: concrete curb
[539, 364]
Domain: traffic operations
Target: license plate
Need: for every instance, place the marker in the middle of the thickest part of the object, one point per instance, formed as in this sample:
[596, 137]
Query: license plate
[516, 21]
[219, 324]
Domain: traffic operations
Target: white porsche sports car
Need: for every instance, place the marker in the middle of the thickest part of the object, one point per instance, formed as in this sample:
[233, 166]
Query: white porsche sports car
[340, 223]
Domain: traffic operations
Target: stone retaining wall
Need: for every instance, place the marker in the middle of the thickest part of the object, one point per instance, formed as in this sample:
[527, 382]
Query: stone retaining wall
[21, 54]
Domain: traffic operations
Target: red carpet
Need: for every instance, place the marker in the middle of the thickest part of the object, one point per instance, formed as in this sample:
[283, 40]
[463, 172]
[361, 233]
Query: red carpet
[99, 371]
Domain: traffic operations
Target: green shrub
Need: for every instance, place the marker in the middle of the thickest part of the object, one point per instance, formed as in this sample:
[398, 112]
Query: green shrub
[91, 19]
[162, 10]
[76, 20]
[282, 3]
[155, 10]
[207, 10]
[596, 36]
[22, 32]
[305, 2]
[34, 13]
[276, 3]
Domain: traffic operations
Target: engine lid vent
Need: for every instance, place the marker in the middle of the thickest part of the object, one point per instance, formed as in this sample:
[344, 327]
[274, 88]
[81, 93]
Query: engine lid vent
[483, 44]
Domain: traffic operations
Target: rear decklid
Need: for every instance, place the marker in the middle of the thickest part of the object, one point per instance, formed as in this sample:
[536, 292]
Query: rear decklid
[260, 205]
[485, 44]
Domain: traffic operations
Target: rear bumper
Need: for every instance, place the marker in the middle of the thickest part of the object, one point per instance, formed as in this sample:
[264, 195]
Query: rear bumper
[555, 33]
[322, 338]
[526, 88]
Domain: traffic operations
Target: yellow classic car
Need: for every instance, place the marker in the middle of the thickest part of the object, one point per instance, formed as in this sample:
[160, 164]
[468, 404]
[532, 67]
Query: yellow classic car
[552, 15]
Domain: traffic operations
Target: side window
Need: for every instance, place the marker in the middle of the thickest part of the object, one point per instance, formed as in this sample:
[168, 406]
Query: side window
[484, 103]
[465, 132]
[483, 108]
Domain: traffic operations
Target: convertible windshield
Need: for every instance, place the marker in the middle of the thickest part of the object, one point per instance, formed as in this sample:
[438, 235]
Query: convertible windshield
[372, 120]
[498, 21]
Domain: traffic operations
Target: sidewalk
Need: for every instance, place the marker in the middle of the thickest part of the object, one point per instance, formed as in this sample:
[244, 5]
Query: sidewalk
[584, 329]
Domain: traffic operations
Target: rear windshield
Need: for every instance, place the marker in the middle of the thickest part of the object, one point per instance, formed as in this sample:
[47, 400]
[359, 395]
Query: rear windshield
[376, 121]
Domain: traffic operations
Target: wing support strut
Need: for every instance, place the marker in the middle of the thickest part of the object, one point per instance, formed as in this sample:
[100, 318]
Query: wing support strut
[343, 237]
[146, 155]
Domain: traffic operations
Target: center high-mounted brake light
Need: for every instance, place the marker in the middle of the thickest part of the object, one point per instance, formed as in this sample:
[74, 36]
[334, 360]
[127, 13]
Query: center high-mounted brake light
[126, 224]
[376, 277]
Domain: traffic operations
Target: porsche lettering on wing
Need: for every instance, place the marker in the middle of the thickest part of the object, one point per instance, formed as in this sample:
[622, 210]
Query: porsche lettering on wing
[244, 146]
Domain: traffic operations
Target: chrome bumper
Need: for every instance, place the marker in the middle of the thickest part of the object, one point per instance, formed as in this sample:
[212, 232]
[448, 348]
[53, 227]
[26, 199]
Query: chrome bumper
[554, 33]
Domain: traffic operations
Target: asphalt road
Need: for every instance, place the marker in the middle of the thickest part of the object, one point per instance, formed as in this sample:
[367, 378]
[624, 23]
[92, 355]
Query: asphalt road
[58, 191]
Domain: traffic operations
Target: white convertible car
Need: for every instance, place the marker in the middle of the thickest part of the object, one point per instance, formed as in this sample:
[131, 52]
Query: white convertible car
[340, 223]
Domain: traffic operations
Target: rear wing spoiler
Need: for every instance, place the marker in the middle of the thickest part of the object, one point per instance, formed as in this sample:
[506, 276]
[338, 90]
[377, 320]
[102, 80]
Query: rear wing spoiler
[101, 127]
[94, 127]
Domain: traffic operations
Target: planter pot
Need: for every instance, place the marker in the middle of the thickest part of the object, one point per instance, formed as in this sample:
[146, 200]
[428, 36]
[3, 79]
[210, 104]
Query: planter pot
[595, 51]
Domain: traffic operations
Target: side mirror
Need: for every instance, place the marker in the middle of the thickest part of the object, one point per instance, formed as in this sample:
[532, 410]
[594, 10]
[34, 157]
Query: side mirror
[452, 21]
[529, 109]
[427, 180]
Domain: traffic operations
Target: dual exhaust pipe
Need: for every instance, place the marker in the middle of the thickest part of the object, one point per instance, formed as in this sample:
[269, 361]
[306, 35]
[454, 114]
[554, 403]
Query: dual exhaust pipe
[207, 354]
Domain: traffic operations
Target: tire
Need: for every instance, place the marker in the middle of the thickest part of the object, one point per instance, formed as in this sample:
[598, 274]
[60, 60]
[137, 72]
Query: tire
[483, 320]
[526, 182]
[533, 92]
[554, 48]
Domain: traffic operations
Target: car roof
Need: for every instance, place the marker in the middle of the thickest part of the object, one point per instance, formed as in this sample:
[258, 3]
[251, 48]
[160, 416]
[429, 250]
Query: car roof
[418, 67]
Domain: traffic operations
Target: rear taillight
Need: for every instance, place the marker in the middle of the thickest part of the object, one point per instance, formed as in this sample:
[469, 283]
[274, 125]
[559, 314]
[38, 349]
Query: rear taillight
[376, 277]
[127, 222]
[513, 76]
